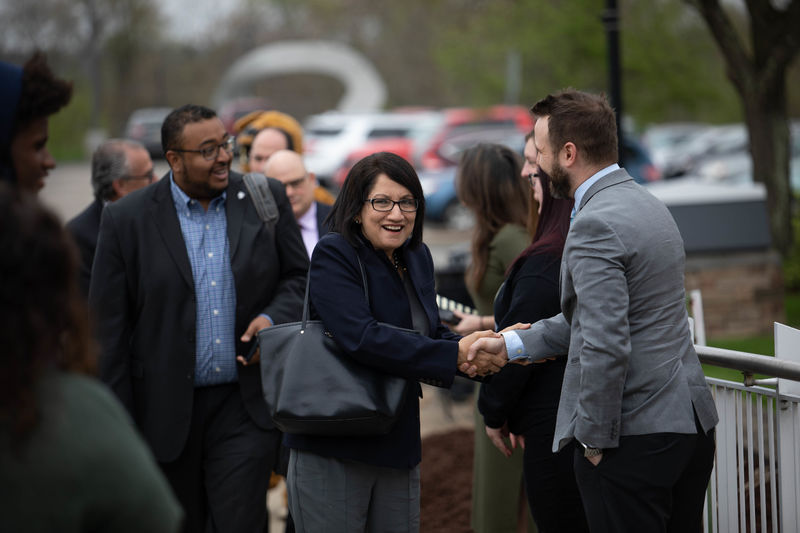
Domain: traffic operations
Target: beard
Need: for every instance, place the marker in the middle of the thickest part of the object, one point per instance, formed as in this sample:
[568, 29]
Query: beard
[559, 182]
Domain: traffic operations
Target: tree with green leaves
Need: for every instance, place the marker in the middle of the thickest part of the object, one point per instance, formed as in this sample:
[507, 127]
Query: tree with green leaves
[757, 67]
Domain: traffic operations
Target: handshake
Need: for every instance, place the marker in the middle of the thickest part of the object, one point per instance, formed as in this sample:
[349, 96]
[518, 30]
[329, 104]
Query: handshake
[484, 352]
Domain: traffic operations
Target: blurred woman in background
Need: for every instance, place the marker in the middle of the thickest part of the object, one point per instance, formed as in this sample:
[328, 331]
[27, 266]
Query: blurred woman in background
[489, 183]
[70, 458]
[523, 400]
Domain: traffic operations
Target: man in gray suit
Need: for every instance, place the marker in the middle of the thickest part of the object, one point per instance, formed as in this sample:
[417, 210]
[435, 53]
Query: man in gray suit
[634, 401]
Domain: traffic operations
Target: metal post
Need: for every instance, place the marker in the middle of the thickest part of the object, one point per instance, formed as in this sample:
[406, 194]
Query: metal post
[611, 23]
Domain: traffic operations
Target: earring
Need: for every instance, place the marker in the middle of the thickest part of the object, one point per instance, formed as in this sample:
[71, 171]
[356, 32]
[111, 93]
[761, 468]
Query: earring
[357, 220]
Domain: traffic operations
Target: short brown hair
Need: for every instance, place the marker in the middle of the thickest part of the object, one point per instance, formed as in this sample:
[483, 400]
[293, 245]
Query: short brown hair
[584, 119]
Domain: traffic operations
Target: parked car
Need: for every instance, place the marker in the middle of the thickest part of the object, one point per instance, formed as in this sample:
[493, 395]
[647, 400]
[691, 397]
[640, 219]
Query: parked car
[666, 141]
[442, 204]
[144, 125]
[637, 161]
[714, 142]
[397, 145]
[331, 137]
[429, 153]
[737, 168]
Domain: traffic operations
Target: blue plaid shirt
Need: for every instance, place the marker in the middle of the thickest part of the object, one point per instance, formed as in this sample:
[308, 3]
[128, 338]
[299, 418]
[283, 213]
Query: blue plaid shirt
[206, 237]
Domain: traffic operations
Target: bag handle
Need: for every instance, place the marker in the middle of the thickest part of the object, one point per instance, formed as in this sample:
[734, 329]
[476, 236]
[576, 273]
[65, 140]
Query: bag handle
[308, 283]
[263, 200]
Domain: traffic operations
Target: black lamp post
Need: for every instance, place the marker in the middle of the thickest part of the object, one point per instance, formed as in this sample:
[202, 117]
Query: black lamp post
[611, 23]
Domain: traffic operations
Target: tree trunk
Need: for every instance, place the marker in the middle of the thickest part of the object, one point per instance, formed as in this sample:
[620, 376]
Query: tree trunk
[765, 115]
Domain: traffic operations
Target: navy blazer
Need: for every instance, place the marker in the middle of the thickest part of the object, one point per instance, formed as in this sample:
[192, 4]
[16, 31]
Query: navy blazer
[323, 210]
[337, 296]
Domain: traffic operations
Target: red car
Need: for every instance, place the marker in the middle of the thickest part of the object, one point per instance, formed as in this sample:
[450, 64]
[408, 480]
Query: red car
[397, 145]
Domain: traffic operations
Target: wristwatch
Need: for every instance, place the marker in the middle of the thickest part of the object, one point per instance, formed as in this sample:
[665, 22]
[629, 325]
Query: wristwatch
[589, 451]
[592, 452]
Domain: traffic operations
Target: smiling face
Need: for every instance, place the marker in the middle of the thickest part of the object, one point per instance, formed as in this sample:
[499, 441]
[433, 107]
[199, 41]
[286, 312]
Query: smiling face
[32, 161]
[529, 170]
[547, 160]
[199, 178]
[387, 230]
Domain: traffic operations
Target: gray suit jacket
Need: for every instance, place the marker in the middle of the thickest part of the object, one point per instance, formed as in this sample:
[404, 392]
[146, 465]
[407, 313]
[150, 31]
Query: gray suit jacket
[632, 368]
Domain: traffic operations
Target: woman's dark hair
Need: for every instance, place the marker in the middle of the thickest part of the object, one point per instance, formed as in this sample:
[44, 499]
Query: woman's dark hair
[552, 227]
[489, 183]
[42, 95]
[43, 318]
[357, 186]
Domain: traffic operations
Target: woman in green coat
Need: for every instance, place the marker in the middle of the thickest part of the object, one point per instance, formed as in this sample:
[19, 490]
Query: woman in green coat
[490, 184]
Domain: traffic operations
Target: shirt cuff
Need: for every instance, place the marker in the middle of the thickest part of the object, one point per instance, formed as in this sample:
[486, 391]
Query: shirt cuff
[514, 347]
[271, 322]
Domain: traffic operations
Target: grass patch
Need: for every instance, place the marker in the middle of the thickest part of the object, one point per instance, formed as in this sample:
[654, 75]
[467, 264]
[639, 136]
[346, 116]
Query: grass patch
[763, 344]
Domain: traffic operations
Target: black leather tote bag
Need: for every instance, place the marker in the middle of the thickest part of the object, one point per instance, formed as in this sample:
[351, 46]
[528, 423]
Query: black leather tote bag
[312, 387]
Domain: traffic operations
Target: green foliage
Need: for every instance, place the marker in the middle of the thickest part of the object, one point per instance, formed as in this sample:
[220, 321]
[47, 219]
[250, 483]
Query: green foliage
[671, 69]
[791, 264]
[68, 127]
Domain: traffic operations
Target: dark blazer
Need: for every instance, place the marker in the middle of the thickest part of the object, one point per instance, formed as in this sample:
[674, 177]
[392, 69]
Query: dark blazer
[529, 294]
[337, 296]
[84, 229]
[322, 213]
[143, 296]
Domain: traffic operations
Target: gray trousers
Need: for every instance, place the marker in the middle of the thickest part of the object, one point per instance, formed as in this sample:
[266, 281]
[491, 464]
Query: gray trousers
[329, 495]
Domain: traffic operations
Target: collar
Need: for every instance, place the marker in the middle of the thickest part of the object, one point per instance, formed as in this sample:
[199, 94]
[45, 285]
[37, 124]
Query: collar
[182, 199]
[309, 219]
[581, 190]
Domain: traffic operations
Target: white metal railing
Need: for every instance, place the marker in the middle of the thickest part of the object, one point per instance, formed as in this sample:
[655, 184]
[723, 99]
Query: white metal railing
[756, 478]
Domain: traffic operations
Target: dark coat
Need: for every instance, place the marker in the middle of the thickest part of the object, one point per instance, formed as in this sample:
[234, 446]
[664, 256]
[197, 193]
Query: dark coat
[337, 295]
[514, 394]
[143, 296]
[84, 229]
[322, 213]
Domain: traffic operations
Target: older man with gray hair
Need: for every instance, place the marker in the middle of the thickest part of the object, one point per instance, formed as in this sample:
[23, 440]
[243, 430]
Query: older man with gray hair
[119, 167]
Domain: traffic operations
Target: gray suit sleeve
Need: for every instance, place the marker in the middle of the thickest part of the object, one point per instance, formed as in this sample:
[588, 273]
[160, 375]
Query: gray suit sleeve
[546, 338]
[597, 260]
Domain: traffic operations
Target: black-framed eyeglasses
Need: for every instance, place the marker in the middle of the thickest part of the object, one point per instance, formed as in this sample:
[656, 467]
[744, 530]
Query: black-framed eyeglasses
[295, 182]
[149, 176]
[210, 153]
[407, 205]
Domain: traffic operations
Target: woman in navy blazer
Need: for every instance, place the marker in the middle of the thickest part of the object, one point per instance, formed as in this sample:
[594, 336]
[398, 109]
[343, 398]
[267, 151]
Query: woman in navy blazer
[371, 483]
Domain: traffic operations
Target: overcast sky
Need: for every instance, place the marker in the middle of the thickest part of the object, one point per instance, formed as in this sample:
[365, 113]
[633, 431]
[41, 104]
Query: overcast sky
[188, 18]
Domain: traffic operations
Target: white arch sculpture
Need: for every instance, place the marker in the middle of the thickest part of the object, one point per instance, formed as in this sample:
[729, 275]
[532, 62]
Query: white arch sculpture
[364, 89]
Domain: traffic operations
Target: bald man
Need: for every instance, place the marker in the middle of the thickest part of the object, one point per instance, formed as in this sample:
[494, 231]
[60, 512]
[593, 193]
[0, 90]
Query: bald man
[287, 167]
[265, 143]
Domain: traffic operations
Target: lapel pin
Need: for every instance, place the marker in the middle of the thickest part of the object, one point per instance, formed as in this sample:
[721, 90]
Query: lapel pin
[240, 195]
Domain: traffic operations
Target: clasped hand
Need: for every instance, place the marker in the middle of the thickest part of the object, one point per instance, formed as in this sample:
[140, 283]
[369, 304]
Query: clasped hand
[484, 352]
[486, 357]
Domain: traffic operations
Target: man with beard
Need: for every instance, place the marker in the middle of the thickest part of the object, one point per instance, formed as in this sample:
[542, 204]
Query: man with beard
[634, 402]
[184, 276]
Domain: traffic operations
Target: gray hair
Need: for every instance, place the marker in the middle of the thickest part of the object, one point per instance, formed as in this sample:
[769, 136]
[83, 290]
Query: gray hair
[110, 162]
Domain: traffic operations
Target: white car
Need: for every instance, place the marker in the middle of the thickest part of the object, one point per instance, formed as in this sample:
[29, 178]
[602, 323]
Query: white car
[330, 137]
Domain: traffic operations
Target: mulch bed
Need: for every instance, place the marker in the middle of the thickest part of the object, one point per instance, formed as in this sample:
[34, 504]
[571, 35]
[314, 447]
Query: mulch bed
[446, 482]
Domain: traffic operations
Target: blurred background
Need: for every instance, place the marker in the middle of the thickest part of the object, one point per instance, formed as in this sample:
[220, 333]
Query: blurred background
[428, 78]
